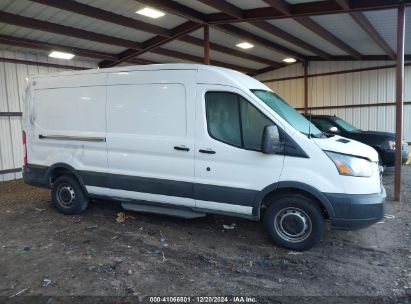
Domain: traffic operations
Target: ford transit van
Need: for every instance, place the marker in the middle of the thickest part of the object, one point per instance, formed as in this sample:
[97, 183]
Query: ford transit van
[187, 140]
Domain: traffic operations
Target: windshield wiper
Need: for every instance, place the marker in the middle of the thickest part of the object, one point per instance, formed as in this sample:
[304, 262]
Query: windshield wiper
[321, 135]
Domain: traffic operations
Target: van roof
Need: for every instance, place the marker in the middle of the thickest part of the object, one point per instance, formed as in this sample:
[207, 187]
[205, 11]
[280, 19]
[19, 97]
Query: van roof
[232, 74]
[146, 67]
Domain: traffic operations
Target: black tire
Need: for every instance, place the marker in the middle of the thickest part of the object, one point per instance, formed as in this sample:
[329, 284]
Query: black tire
[294, 222]
[68, 196]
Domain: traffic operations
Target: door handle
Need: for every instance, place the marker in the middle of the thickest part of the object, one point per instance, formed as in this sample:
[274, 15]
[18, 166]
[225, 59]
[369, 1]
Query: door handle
[208, 151]
[181, 148]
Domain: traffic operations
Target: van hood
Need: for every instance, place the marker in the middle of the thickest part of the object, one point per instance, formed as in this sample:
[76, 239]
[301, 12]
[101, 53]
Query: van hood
[346, 146]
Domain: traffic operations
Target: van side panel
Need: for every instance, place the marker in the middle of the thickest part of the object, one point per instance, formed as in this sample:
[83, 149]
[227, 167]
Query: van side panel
[67, 125]
[150, 135]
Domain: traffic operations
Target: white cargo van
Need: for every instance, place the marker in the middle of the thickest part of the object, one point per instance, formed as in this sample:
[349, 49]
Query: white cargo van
[186, 140]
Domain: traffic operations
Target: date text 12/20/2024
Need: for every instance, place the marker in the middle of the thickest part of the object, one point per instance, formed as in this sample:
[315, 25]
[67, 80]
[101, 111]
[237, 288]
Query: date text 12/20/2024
[204, 299]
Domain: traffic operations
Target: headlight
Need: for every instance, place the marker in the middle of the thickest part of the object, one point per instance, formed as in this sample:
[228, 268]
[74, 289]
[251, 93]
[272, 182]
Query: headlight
[391, 144]
[350, 165]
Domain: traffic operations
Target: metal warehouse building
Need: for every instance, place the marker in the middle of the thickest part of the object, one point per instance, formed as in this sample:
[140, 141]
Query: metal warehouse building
[203, 151]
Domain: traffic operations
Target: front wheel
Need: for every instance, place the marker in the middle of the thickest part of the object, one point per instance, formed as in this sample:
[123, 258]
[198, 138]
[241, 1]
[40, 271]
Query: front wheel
[294, 222]
[68, 196]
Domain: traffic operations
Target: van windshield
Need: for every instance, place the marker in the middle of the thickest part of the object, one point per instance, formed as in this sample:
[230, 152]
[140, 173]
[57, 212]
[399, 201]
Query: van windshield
[288, 113]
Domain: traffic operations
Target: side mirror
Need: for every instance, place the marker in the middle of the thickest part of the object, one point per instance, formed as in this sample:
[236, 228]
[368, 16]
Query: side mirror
[271, 143]
[334, 130]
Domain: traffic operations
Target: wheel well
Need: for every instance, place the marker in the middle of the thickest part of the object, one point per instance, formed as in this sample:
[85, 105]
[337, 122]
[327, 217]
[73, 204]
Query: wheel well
[271, 197]
[59, 171]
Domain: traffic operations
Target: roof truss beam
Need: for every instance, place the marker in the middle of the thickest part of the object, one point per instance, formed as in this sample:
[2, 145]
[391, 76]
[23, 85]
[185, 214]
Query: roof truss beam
[230, 51]
[66, 30]
[174, 8]
[280, 5]
[38, 45]
[100, 14]
[97, 13]
[45, 46]
[39, 63]
[310, 24]
[323, 33]
[240, 33]
[177, 9]
[154, 43]
[225, 7]
[234, 11]
[273, 30]
[366, 25]
[281, 10]
[364, 58]
[128, 55]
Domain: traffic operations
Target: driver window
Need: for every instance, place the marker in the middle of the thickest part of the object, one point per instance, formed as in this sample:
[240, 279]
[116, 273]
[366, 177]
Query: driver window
[223, 117]
[233, 120]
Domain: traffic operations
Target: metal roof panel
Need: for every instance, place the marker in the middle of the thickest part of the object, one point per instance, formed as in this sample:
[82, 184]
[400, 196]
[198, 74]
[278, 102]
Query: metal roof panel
[247, 4]
[222, 38]
[198, 6]
[258, 32]
[128, 9]
[347, 30]
[58, 16]
[385, 22]
[294, 28]
[214, 55]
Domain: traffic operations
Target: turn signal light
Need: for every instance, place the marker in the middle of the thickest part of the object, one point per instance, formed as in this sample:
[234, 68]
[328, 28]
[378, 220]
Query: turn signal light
[342, 168]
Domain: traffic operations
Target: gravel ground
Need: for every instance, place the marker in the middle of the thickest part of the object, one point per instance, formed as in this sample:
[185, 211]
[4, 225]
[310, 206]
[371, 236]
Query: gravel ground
[47, 254]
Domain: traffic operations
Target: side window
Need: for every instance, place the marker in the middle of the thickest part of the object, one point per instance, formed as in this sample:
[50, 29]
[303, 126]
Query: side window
[322, 124]
[233, 120]
[223, 117]
[253, 123]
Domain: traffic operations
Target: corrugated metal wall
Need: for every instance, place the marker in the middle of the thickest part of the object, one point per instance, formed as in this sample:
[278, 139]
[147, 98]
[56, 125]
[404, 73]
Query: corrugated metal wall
[12, 86]
[373, 86]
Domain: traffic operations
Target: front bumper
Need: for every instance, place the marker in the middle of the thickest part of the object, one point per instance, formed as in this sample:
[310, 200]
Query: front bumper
[355, 211]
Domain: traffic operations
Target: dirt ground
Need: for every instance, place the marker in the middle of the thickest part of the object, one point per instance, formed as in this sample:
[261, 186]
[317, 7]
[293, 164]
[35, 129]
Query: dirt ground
[44, 253]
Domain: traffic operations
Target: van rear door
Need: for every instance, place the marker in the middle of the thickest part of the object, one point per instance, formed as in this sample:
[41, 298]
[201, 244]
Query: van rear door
[150, 118]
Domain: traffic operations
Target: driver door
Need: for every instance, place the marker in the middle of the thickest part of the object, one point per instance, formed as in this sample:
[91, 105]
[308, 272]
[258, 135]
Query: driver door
[230, 168]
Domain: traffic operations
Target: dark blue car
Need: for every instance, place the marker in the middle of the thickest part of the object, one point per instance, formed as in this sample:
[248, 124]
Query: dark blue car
[383, 142]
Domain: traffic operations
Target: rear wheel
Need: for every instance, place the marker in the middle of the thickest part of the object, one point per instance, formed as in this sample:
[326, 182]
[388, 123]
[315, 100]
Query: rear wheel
[294, 222]
[68, 196]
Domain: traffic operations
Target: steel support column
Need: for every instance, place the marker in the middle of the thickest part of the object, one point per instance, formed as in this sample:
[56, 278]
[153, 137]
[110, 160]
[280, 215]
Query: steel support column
[305, 65]
[399, 100]
[206, 44]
